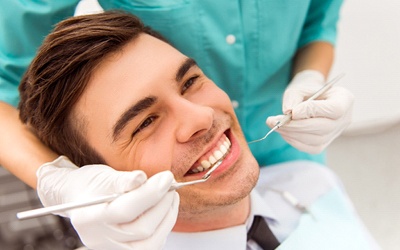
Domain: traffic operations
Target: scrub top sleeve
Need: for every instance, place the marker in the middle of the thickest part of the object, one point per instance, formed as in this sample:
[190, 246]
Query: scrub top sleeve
[23, 26]
[321, 21]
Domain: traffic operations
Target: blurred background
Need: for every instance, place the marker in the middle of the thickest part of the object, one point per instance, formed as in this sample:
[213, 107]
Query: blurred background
[366, 156]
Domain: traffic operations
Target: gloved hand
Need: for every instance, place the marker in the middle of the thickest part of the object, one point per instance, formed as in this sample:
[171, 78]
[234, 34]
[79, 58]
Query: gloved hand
[315, 124]
[141, 218]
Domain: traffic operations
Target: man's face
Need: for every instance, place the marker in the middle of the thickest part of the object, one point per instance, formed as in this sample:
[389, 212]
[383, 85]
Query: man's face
[150, 107]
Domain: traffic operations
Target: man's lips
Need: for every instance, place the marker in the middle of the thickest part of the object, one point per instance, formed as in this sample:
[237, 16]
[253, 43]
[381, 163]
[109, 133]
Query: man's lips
[219, 151]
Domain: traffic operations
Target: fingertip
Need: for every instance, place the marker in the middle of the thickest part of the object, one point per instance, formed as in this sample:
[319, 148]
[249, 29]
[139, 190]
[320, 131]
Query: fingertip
[167, 175]
[287, 107]
[139, 176]
[175, 204]
[270, 121]
[290, 100]
[162, 180]
[177, 198]
[131, 180]
[273, 120]
[304, 110]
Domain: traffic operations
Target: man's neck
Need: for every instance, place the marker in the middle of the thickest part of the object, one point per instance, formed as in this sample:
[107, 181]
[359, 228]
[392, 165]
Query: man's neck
[223, 217]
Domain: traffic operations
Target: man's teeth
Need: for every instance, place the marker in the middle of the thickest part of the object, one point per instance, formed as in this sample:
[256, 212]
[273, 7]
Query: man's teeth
[218, 153]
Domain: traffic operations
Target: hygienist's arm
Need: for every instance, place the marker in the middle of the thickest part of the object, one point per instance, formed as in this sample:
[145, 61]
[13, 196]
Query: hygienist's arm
[24, 24]
[316, 56]
[318, 37]
[21, 152]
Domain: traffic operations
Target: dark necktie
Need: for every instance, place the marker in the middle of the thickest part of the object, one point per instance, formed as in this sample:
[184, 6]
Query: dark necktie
[260, 233]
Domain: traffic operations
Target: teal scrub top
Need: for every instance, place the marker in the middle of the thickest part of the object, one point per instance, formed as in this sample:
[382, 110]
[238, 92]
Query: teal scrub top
[245, 46]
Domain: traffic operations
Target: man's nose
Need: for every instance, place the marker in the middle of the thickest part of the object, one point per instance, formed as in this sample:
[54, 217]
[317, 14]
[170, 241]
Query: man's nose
[193, 120]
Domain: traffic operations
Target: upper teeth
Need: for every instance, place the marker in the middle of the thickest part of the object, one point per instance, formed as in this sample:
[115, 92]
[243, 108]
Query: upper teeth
[217, 154]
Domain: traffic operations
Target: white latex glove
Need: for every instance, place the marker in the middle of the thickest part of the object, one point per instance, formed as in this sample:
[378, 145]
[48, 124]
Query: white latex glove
[315, 124]
[141, 218]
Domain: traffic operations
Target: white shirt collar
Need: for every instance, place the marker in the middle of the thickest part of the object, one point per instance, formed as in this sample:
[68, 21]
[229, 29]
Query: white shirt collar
[227, 238]
[260, 207]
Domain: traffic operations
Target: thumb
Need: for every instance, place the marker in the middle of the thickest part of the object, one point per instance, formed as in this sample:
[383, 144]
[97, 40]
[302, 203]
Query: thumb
[302, 86]
[291, 98]
[132, 204]
[102, 179]
[273, 120]
[127, 181]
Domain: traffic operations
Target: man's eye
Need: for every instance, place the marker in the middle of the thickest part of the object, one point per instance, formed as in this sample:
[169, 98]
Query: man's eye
[147, 122]
[188, 84]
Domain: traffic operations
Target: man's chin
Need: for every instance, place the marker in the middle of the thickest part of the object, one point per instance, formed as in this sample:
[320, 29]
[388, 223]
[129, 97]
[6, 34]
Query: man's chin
[224, 194]
[197, 200]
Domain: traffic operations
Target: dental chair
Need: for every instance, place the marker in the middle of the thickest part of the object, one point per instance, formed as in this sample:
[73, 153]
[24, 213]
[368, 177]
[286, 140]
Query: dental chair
[43, 233]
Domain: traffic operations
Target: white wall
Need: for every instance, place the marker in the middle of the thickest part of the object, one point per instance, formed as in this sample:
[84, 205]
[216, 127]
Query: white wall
[368, 51]
[367, 156]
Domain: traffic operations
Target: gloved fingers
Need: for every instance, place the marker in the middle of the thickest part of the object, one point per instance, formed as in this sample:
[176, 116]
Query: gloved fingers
[147, 223]
[129, 206]
[311, 149]
[316, 123]
[122, 182]
[157, 240]
[306, 126]
[291, 98]
[313, 143]
[333, 104]
[97, 180]
[303, 85]
[155, 226]
[294, 96]
[61, 162]
[311, 131]
[273, 120]
[95, 233]
[50, 173]
[109, 244]
[102, 179]
[309, 135]
[312, 139]
[87, 221]
[315, 126]
[138, 235]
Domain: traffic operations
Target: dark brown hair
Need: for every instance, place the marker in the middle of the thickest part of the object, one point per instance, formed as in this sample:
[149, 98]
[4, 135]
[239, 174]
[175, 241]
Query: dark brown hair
[59, 74]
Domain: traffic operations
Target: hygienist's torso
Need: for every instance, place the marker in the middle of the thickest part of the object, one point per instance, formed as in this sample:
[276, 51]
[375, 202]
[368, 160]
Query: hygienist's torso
[246, 47]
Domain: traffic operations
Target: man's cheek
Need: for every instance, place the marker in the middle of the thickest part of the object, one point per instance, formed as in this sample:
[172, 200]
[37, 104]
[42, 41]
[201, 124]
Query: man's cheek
[155, 162]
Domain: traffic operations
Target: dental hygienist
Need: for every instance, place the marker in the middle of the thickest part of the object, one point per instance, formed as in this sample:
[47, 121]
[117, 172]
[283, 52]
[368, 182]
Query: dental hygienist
[257, 51]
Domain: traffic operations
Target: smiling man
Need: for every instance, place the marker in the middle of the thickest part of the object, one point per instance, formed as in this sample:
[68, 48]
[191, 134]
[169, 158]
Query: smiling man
[104, 89]
[166, 104]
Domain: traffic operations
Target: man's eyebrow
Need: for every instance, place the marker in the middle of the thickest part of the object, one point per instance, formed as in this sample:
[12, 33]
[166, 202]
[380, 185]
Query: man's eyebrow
[147, 102]
[186, 65]
[131, 113]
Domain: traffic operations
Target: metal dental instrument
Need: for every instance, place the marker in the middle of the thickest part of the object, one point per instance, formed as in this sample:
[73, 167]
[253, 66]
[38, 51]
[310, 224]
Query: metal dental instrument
[288, 116]
[106, 198]
[289, 197]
